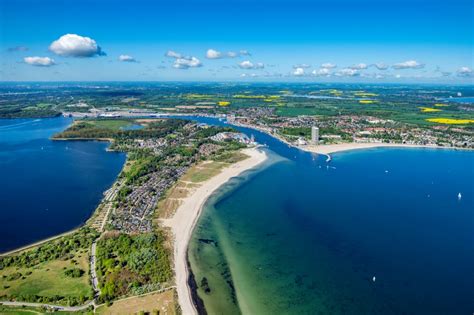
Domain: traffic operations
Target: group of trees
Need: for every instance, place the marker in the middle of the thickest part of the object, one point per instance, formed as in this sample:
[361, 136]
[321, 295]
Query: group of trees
[125, 262]
[88, 130]
[62, 247]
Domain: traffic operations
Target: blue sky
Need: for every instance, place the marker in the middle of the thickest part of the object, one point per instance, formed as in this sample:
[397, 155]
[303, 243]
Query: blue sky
[286, 40]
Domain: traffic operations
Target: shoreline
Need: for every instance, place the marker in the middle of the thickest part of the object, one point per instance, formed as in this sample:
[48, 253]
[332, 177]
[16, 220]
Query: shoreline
[40, 242]
[328, 149]
[183, 222]
[82, 224]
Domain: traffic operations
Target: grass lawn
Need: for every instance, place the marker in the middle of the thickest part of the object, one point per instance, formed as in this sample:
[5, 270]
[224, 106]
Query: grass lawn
[114, 124]
[157, 303]
[47, 279]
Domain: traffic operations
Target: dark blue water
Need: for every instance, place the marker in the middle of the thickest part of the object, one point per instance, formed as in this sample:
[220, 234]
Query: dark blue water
[306, 237]
[48, 187]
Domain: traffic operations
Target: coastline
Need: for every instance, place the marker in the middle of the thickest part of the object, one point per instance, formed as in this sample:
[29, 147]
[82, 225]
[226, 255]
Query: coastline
[40, 242]
[327, 149]
[183, 222]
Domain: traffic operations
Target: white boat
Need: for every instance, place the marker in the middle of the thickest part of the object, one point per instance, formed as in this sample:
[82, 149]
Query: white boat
[373, 279]
[459, 196]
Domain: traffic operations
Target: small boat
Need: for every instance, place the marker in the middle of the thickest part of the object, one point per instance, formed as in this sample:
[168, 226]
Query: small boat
[373, 279]
[459, 196]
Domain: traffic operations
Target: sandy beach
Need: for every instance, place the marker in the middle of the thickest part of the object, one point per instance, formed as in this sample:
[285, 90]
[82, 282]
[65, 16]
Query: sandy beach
[187, 214]
[327, 149]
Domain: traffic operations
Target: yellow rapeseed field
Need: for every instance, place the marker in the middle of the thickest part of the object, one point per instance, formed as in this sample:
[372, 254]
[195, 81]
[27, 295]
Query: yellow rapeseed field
[429, 109]
[451, 121]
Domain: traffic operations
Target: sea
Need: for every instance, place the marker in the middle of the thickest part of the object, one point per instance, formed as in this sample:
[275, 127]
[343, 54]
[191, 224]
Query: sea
[374, 231]
[48, 187]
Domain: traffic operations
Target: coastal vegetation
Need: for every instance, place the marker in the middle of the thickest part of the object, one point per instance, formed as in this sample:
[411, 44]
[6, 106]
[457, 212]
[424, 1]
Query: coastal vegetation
[132, 264]
[54, 272]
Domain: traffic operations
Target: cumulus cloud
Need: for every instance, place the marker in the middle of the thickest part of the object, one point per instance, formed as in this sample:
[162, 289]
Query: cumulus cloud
[73, 45]
[323, 72]
[126, 58]
[359, 66]
[17, 48]
[187, 62]
[39, 61]
[328, 65]
[410, 64]
[299, 72]
[465, 72]
[183, 62]
[247, 64]
[172, 54]
[215, 54]
[381, 66]
[348, 72]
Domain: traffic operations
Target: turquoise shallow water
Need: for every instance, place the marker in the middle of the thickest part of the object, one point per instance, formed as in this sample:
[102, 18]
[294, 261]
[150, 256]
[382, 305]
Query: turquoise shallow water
[304, 237]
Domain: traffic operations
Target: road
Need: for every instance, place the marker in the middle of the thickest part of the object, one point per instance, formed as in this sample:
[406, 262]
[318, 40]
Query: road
[95, 281]
[56, 307]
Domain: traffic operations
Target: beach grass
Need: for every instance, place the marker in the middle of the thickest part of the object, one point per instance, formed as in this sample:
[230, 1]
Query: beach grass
[156, 303]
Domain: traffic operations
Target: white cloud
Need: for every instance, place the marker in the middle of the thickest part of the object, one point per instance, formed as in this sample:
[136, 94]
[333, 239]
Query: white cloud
[251, 75]
[172, 54]
[183, 62]
[73, 45]
[347, 72]
[465, 72]
[213, 54]
[328, 65]
[299, 72]
[410, 64]
[187, 62]
[381, 66]
[127, 58]
[323, 72]
[247, 64]
[39, 61]
[303, 65]
[359, 66]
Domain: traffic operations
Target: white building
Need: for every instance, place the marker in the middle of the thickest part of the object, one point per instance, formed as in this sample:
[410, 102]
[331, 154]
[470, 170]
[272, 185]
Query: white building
[314, 135]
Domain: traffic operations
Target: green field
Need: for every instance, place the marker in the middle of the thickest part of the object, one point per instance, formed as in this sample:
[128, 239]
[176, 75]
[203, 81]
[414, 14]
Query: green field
[113, 124]
[47, 280]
